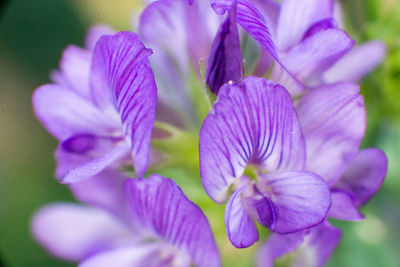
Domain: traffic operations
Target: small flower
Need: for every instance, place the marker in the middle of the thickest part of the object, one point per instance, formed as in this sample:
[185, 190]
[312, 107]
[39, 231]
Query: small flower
[106, 114]
[254, 123]
[304, 40]
[159, 227]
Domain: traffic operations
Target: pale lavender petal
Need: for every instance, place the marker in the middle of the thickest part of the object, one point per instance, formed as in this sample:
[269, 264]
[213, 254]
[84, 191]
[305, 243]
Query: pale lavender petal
[253, 21]
[357, 63]
[225, 60]
[94, 34]
[316, 53]
[201, 26]
[132, 256]
[247, 125]
[104, 190]
[190, 26]
[302, 199]
[163, 21]
[343, 207]
[278, 245]
[74, 70]
[74, 232]
[96, 165]
[121, 74]
[333, 122]
[240, 228]
[312, 247]
[338, 14]
[321, 243]
[64, 113]
[296, 17]
[159, 205]
[365, 175]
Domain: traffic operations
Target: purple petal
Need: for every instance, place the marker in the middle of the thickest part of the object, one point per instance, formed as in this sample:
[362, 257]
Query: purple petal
[192, 28]
[247, 125]
[343, 207]
[74, 70]
[64, 113]
[240, 228]
[96, 165]
[161, 22]
[302, 199]
[159, 205]
[253, 21]
[365, 175]
[201, 26]
[357, 63]
[94, 34]
[121, 74]
[323, 239]
[262, 209]
[322, 25]
[296, 17]
[143, 255]
[73, 232]
[104, 190]
[319, 243]
[316, 53]
[225, 61]
[278, 245]
[333, 122]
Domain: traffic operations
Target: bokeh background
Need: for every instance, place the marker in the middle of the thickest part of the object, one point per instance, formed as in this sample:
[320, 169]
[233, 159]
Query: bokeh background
[32, 37]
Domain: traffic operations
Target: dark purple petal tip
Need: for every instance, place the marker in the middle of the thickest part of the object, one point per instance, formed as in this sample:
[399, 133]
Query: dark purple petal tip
[225, 59]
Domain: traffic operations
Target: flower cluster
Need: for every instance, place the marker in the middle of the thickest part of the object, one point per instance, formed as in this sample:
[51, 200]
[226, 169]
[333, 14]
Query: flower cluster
[280, 141]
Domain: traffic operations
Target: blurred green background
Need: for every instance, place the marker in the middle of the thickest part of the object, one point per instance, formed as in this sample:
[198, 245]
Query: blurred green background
[32, 37]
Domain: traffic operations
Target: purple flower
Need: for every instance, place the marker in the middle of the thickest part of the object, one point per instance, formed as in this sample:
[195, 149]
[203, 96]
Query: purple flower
[333, 122]
[159, 227]
[303, 38]
[102, 107]
[313, 247]
[253, 125]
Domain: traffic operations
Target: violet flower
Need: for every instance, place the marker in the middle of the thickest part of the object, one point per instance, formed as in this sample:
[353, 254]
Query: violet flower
[254, 124]
[304, 40]
[333, 121]
[159, 227]
[104, 111]
[314, 246]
